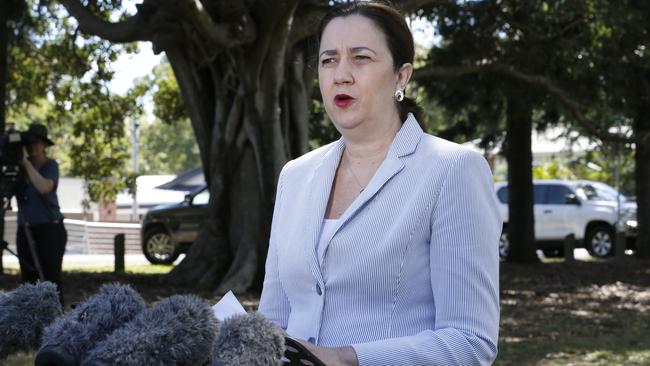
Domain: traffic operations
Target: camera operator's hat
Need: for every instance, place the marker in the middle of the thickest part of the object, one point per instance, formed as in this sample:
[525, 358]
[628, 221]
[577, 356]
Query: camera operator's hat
[37, 132]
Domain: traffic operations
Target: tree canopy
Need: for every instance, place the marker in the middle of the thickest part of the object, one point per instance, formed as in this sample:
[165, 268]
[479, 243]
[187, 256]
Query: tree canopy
[59, 77]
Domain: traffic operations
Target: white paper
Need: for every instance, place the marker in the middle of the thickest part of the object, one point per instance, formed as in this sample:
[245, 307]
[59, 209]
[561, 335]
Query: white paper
[227, 306]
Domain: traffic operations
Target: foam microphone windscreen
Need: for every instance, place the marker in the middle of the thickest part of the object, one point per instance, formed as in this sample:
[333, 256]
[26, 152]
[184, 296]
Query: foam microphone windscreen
[248, 339]
[69, 338]
[179, 330]
[24, 312]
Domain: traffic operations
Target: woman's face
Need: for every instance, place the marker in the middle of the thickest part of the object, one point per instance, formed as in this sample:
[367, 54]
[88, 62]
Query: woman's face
[356, 73]
[36, 148]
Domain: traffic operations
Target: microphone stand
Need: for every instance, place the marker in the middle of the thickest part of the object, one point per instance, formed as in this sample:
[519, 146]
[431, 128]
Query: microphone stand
[4, 245]
[32, 246]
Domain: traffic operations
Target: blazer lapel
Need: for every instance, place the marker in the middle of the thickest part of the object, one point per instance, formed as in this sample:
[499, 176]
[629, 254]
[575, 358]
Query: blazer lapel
[320, 187]
[388, 168]
[404, 143]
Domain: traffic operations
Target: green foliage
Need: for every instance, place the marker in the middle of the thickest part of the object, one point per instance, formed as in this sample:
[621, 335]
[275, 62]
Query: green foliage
[552, 170]
[58, 77]
[621, 53]
[598, 165]
[168, 102]
[321, 129]
[591, 49]
[168, 148]
[168, 144]
[46, 52]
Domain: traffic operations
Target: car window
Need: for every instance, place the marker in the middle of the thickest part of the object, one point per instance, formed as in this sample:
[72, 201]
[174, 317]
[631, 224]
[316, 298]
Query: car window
[556, 194]
[201, 198]
[598, 192]
[538, 194]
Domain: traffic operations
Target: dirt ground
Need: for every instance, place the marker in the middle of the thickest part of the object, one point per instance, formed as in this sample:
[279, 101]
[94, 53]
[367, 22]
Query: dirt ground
[586, 313]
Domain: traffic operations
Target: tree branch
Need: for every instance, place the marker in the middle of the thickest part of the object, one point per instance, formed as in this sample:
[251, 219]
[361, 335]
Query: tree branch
[534, 35]
[241, 30]
[232, 34]
[429, 71]
[135, 28]
[575, 108]
[130, 30]
[411, 6]
[306, 21]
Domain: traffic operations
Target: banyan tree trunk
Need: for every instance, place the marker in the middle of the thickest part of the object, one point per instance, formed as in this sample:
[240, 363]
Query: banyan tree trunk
[249, 111]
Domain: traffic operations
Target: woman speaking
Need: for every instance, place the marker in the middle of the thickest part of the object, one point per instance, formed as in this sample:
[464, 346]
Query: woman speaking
[384, 244]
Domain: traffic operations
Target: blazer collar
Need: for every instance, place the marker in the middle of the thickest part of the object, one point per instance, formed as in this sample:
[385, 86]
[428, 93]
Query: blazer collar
[407, 138]
[404, 143]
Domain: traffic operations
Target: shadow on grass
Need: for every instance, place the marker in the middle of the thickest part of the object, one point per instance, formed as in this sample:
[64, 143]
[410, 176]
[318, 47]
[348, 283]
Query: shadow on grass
[587, 313]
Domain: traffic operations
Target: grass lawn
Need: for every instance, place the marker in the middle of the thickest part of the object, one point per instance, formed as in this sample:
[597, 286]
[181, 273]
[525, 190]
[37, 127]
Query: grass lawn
[587, 313]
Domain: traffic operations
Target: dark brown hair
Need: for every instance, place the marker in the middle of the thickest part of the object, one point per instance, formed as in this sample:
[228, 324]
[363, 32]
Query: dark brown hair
[398, 39]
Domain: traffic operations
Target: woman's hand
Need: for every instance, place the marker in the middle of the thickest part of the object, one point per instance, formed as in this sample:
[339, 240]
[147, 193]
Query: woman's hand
[333, 356]
[42, 184]
[25, 160]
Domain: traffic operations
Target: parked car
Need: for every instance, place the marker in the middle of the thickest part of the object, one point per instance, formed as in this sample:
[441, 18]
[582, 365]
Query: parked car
[169, 230]
[587, 209]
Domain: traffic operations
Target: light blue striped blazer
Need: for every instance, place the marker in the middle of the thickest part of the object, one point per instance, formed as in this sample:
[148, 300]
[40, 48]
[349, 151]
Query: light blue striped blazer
[411, 275]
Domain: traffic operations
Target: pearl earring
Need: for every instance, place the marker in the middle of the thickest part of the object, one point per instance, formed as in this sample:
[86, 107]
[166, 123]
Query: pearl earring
[399, 95]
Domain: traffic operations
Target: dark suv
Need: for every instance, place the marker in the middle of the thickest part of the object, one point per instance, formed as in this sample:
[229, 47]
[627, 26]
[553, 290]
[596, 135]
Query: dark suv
[169, 230]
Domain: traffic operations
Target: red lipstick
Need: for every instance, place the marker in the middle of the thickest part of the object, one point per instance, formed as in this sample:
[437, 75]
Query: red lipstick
[342, 100]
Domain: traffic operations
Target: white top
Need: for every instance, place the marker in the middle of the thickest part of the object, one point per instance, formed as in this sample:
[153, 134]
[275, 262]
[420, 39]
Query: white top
[326, 233]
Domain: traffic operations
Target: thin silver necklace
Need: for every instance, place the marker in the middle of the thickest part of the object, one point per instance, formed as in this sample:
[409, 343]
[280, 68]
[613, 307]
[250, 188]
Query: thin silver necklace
[349, 170]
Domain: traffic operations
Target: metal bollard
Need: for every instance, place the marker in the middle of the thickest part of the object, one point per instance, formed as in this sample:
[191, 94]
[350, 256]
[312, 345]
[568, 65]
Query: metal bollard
[118, 250]
[569, 246]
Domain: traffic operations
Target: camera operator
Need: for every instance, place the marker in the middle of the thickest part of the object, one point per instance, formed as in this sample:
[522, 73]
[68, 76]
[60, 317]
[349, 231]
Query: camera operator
[38, 210]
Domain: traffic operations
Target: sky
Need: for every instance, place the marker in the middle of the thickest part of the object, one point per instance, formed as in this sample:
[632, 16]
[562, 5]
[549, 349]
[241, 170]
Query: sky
[130, 67]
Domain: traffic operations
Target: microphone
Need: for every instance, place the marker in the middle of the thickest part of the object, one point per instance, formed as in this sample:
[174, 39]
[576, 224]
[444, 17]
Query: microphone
[179, 330]
[24, 312]
[248, 339]
[69, 338]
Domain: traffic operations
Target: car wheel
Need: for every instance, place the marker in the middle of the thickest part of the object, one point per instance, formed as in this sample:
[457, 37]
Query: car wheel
[504, 244]
[600, 241]
[553, 252]
[159, 247]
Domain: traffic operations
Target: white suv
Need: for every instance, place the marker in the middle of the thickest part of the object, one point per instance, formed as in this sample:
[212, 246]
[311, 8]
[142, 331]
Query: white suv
[586, 209]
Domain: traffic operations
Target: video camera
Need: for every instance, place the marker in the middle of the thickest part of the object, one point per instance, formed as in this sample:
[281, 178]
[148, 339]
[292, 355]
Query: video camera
[11, 154]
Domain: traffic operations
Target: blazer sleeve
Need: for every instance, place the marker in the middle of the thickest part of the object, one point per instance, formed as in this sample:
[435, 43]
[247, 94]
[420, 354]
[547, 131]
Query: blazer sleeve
[464, 264]
[274, 303]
